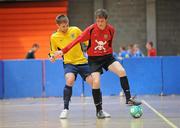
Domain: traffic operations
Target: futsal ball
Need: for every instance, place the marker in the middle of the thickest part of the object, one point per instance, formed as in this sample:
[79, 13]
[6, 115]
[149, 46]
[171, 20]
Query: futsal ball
[136, 111]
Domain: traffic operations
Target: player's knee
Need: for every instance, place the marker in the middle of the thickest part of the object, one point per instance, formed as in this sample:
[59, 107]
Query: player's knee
[89, 80]
[122, 72]
[70, 81]
[96, 82]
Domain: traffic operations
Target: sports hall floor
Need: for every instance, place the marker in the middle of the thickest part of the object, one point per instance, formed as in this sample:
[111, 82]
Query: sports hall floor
[158, 112]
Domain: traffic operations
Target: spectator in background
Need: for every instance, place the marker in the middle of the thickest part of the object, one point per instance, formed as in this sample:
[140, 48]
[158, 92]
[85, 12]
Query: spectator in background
[136, 51]
[32, 51]
[115, 55]
[123, 53]
[130, 50]
[150, 50]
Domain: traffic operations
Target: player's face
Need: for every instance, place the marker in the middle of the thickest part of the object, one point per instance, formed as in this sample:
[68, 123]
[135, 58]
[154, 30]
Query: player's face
[63, 27]
[101, 23]
[148, 46]
[120, 49]
[35, 49]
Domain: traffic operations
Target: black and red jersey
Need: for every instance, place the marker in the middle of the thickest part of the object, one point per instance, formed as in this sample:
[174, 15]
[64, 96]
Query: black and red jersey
[100, 41]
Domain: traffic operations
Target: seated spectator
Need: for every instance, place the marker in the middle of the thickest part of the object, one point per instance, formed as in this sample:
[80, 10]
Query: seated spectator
[130, 50]
[31, 52]
[123, 53]
[150, 50]
[136, 51]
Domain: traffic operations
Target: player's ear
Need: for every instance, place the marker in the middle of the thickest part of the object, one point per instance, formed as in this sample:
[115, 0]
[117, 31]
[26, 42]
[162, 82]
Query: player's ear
[58, 25]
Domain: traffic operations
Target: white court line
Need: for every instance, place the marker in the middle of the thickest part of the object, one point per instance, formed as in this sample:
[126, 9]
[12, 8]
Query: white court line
[159, 114]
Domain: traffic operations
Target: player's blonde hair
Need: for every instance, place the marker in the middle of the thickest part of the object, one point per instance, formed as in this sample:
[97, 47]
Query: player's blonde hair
[62, 19]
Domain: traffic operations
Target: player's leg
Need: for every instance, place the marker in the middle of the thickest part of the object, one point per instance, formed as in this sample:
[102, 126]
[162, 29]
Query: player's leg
[67, 93]
[117, 68]
[97, 95]
[94, 80]
[95, 64]
[84, 71]
[70, 76]
[89, 80]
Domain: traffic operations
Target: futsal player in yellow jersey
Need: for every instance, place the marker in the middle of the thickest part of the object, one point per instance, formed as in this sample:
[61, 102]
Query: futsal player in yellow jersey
[74, 61]
[61, 39]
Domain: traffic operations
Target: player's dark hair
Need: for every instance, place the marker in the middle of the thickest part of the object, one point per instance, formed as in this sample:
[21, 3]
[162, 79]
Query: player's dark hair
[61, 19]
[35, 45]
[123, 47]
[131, 45]
[101, 13]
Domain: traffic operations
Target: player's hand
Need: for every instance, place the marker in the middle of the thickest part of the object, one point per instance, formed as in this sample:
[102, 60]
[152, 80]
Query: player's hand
[58, 54]
[52, 59]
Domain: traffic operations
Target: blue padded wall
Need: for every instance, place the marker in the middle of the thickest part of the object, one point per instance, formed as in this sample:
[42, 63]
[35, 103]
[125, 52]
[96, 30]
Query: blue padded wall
[77, 88]
[25, 78]
[171, 75]
[145, 75]
[22, 78]
[1, 79]
[55, 80]
[87, 89]
[110, 84]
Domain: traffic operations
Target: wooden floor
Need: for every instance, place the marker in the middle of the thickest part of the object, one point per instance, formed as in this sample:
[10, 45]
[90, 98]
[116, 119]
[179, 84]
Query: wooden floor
[159, 112]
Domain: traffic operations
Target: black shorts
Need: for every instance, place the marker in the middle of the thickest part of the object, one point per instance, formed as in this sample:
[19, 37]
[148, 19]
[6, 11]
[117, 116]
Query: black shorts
[98, 63]
[82, 69]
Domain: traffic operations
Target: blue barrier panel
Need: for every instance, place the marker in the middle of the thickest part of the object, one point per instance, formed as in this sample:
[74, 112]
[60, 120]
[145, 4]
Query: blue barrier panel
[171, 75]
[77, 88]
[1, 79]
[145, 75]
[87, 89]
[110, 84]
[55, 80]
[22, 78]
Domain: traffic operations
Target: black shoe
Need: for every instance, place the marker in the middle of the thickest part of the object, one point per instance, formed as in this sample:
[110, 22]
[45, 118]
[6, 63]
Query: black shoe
[132, 101]
[100, 115]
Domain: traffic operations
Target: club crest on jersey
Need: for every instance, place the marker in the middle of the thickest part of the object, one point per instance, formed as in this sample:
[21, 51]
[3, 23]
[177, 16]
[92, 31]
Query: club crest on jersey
[105, 36]
[72, 36]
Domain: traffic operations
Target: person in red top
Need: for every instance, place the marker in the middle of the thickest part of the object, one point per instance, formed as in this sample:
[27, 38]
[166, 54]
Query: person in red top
[99, 50]
[150, 50]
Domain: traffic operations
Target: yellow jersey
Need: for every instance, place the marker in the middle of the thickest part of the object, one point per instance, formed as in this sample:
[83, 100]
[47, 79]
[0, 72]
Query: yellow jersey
[60, 40]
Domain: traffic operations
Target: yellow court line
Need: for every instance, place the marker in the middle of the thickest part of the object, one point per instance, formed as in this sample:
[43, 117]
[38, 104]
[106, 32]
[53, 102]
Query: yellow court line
[159, 114]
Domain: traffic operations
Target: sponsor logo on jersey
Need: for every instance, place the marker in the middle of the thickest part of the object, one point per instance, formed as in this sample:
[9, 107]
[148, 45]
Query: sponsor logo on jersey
[72, 35]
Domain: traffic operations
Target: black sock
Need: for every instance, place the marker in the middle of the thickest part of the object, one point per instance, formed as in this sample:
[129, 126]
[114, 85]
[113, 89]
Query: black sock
[97, 96]
[125, 87]
[67, 96]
